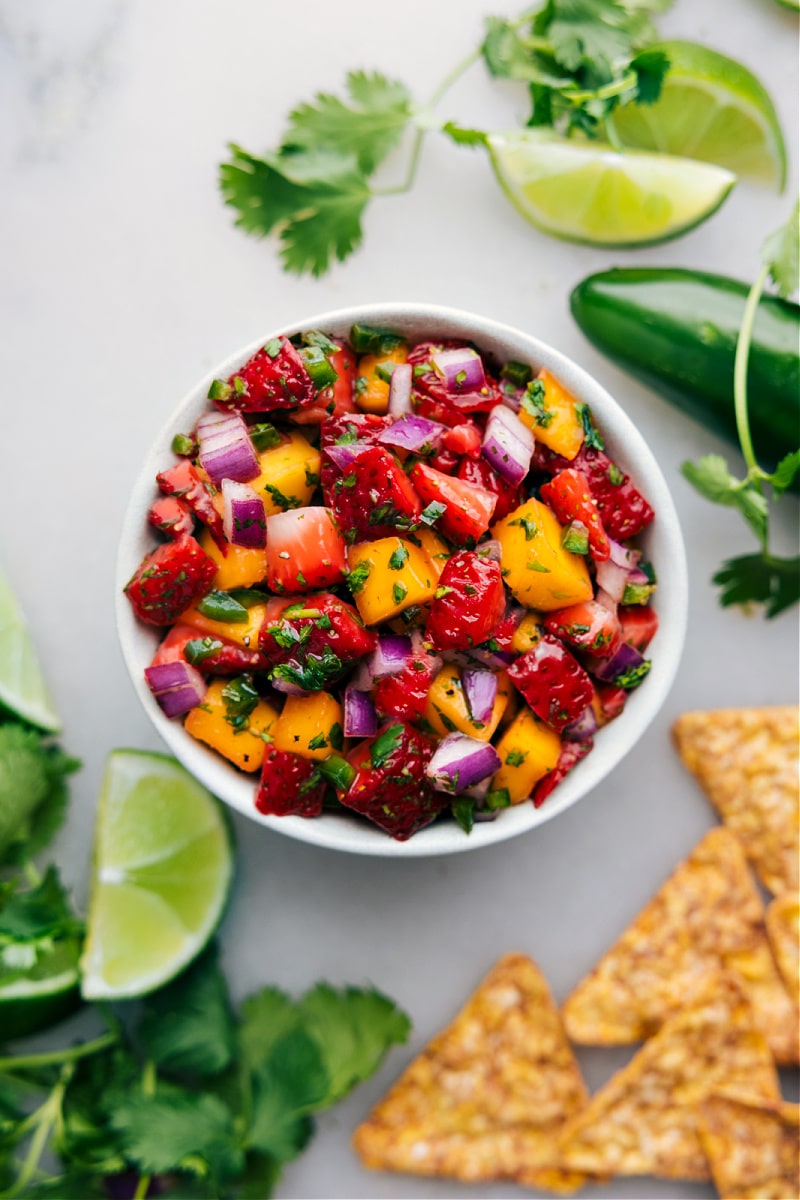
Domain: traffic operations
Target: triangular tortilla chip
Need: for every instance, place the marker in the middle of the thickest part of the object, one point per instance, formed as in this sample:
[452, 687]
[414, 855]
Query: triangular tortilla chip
[753, 1147]
[487, 1097]
[644, 1121]
[705, 917]
[783, 930]
[746, 760]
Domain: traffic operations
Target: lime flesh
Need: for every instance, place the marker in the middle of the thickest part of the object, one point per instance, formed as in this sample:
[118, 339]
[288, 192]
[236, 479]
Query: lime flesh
[22, 687]
[588, 192]
[711, 108]
[162, 872]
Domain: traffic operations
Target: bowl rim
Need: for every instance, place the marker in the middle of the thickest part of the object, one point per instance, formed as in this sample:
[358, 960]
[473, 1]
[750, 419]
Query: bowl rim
[341, 832]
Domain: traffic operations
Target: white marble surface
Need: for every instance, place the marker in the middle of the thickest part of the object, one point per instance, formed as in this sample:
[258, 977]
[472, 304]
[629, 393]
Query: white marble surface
[123, 280]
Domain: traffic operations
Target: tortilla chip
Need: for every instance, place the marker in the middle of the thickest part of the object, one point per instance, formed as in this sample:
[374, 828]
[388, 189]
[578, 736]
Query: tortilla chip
[753, 1147]
[488, 1096]
[746, 760]
[644, 1121]
[783, 930]
[705, 917]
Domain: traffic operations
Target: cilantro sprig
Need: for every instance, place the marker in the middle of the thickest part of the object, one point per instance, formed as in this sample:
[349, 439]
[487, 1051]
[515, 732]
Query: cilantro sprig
[763, 577]
[580, 59]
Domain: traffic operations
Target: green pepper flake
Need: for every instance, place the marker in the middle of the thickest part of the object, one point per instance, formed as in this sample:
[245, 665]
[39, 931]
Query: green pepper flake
[239, 386]
[264, 436]
[336, 736]
[385, 370]
[184, 445]
[219, 390]
[301, 579]
[501, 798]
[337, 771]
[591, 435]
[520, 374]
[515, 758]
[221, 606]
[614, 475]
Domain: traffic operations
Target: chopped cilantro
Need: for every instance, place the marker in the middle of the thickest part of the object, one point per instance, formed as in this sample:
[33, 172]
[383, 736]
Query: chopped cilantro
[398, 558]
[314, 674]
[432, 512]
[463, 809]
[530, 527]
[399, 592]
[357, 578]
[533, 403]
[282, 501]
[591, 435]
[632, 678]
[515, 758]
[274, 347]
[240, 697]
[318, 742]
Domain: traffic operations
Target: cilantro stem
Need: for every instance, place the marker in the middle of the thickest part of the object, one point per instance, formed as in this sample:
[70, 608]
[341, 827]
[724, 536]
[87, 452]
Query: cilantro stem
[31, 873]
[46, 1117]
[54, 1058]
[149, 1083]
[740, 369]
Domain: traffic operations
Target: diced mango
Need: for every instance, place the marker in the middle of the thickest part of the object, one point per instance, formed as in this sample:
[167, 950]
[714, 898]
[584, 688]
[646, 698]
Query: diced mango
[310, 726]
[538, 570]
[561, 430]
[240, 567]
[372, 392]
[289, 474]
[527, 633]
[447, 710]
[400, 575]
[244, 747]
[243, 633]
[528, 750]
[436, 549]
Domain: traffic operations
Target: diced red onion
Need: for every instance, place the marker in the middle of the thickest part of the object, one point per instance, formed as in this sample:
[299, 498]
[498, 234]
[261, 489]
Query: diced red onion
[491, 549]
[638, 576]
[612, 578]
[607, 601]
[400, 390]
[497, 660]
[226, 451]
[412, 433]
[345, 455]
[287, 687]
[480, 791]
[507, 444]
[512, 397]
[583, 727]
[485, 814]
[622, 556]
[244, 521]
[459, 762]
[360, 718]
[480, 688]
[626, 658]
[461, 369]
[177, 686]
[390, 655]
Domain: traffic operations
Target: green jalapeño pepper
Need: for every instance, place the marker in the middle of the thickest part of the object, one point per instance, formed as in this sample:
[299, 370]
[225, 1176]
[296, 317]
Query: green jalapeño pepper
[677, 330]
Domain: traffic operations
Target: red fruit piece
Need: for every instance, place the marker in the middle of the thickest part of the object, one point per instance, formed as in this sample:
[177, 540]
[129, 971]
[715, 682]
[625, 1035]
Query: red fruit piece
[611, 700]
[274, 378]
[404, 695]
[571, 754]
[167, 581]
[213, 655]
[374, 497]
[341, 431]
[390, 786]
[554, 685]
[622, 507]
[171, 516]
[477, 471]
[336, 400]
[315, 640]
[639, 625]
[468, 508]
[289, 786]
[570, 498]
[589, 626]
[469, 602]
[432, 398]
[305, 550]
[184, 481]
[463, 439]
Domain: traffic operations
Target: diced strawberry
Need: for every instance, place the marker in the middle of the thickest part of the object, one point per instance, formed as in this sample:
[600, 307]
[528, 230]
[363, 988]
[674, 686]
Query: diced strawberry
[404, 695]
[463, 439]
[336, 400]
[639, 625]
[554, 685]
[390, 785]
[432, 397]
[588, 626]
[374, 496]
[274, 378]
[213, 655]
[184, 481]
[622, 507]
[171, 516]
[610, 700]
[445, 461]
[468, 508]
[167, 581]
[315, 640]
[340, 431]
[305, 550]
[570, 498]
[478, 471]
[469, 602]
[289, 786]
[571, 754]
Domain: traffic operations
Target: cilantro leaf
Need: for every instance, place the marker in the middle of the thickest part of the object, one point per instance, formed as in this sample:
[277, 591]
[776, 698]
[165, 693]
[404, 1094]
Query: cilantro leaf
[23, 779]
[385, 745]
[712, 479]
[42, 911]
[463, 809]
[85, 1137]
[760, 579]
[784, 474]
[781, 253]
[265, 1017]
[177, 1128]
[290, 1084]
[366, 130]
[187, 1027]
[462, 136]
[651, 67]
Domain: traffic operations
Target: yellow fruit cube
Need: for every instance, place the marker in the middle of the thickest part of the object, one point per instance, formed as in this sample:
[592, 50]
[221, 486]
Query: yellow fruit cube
[538, 570]
[211, 723]
[243, 633]
[392, 574]
[240, 567]
[528, 750]
[437, 550]
[371, 391]
[527, 633]
[310, 726]
[289, 474]
[559, 427]
[447, 710]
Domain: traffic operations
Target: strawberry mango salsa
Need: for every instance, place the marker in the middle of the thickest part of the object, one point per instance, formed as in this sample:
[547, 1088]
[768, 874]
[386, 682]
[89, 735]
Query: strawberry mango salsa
[396, 580]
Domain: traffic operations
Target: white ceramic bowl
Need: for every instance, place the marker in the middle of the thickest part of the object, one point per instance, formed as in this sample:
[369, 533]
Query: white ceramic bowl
[662, 542]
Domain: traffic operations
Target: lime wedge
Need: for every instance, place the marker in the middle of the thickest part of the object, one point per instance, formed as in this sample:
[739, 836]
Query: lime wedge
[44, 994]
[162, 870]
[22, 687]
[587, 192]
[713, 109]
